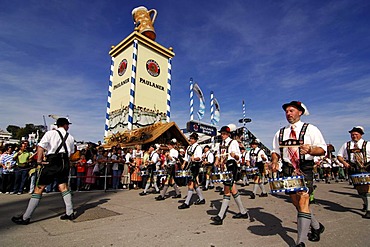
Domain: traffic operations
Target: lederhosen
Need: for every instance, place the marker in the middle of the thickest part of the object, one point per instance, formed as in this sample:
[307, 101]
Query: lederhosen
[58, 166]
[171, 171]
[260, 165]
[231, 165]
[193, 165]
[306, 166]
[151, 167]
[208, 165]
[356, 168]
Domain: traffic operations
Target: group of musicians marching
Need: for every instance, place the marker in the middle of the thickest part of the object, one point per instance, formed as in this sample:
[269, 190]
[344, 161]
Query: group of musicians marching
[295, 149]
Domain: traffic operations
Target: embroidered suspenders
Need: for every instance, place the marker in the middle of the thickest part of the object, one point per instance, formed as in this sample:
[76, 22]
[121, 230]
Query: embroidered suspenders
[291, 142]
[63, 144]
[362, 150]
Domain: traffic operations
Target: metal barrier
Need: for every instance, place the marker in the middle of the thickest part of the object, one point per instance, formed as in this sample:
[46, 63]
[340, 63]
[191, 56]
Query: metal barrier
[105, 176]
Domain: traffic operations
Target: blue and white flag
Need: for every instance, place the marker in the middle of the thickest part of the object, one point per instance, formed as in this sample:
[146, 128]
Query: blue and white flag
[216, 117]
[202, 106]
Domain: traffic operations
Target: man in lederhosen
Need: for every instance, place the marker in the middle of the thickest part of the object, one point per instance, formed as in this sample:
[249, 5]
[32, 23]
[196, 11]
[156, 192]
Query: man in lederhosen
[256, 157]
[228, 155]
[355, 155]
[172, 157]
[208, 162]
[192, 161]
[243, 166]
[58, 145]
[153, 164]
[297, 144]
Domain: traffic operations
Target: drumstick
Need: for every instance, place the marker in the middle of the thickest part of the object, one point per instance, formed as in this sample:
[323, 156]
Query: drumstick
[289, 146]
[294, 146]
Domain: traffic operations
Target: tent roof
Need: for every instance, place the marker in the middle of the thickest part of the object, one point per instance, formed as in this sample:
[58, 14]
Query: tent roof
[160, 132]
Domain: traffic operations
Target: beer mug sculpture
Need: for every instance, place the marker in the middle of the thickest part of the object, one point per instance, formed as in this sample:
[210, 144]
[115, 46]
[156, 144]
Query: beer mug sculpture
[144, 22]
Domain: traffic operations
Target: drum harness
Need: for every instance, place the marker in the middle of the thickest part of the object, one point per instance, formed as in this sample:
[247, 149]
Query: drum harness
[225, 147]
[291, 142]
[255, 156]
[190, 153]
[354, 151]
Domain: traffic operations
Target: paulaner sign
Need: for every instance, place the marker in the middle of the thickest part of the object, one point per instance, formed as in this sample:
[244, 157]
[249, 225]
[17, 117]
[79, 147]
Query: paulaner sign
[206, 129]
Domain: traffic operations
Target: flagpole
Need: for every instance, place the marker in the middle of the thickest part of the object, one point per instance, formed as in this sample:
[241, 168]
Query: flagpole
[244, 124]
[191, 99]
[212, 108]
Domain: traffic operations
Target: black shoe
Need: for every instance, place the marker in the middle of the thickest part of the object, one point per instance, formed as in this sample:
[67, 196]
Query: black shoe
[211, 187]
[198, 202]
[243, 185]
[240, 216]
[157, 192]
[366, 215]
[143, 193]
[68, 217]
[20, 221]
[176, 196]
[300, 245]
[314, 236]
[253, 196]
[216, 220]
[183, 206]
[364, 208]
[263, 195]
[205, 189]
[159, 198]
[221, 193]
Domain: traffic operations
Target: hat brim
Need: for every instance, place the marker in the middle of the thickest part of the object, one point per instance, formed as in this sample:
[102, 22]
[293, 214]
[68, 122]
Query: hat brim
[298, 107]
[358, 130]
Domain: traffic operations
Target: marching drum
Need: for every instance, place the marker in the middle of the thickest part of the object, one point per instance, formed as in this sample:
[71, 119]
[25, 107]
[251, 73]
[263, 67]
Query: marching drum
[361, 182]
[361, 179]
[221, 177]
[144, 173]
[160, 173]
[251, 171]
[182, 177]
[287, 184]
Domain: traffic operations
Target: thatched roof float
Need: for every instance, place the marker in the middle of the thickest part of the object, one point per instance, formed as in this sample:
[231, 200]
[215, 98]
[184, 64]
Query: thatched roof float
[160, 133]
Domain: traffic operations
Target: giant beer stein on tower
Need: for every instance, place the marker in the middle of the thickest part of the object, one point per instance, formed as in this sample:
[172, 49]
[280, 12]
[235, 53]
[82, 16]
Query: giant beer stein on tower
[144, 20]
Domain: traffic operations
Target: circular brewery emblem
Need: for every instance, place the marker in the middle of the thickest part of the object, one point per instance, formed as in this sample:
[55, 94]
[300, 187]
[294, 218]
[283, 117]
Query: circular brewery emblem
[152, 67]
[122, 67]
[196, 127]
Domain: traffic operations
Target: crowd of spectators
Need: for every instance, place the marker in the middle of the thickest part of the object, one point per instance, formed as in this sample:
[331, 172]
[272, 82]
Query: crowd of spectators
[96, 168]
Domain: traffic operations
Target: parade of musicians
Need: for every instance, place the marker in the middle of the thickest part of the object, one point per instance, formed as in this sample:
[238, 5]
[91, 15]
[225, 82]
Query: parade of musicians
[211, 171]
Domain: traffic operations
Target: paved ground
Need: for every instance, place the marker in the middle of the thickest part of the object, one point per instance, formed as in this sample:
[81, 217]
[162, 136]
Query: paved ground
[124, 218]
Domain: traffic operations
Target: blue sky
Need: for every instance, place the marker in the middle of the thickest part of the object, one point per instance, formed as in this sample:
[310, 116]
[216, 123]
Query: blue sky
[54, 60]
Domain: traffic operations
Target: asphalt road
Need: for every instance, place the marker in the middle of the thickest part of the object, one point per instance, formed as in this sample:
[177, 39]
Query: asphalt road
[123, 218]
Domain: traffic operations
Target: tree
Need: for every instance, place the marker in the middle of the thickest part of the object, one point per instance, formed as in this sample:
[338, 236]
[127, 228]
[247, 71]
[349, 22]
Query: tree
[13, 129]
[18, 132]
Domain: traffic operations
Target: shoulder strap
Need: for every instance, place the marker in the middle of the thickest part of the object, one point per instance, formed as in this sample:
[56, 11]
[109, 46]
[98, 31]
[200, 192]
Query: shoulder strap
[281, 134]
[301, 140]
[63, 143]
[363, 149]
[349, 150]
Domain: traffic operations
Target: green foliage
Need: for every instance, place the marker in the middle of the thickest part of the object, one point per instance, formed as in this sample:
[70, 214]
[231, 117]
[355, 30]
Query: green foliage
[18, 132]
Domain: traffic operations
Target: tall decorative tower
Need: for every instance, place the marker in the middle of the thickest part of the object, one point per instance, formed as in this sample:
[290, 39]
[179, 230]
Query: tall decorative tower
[140, 79]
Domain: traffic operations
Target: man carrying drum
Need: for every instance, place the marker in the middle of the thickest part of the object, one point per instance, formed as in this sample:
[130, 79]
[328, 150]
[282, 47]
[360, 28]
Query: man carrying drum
[228, 155]
[256, 157]
[152, 165]
[192, 161]
[171, 158]
[297, 144]
[355, 155]
[208, 161]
